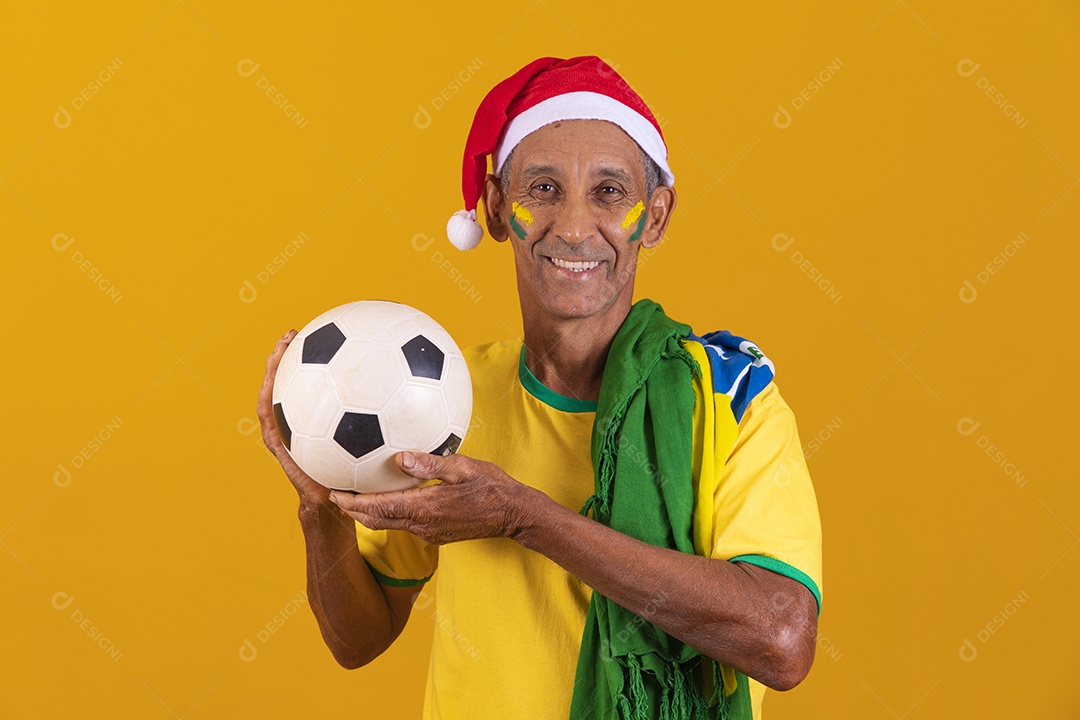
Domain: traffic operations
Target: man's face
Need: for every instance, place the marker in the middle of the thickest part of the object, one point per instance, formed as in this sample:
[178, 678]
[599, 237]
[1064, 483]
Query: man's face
[576, 214]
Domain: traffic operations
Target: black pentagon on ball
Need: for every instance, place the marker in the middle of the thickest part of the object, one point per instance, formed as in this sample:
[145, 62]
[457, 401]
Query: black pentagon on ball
[449, 446]
[359, 433]
[424, 357]
[283, 426]
[321, 345]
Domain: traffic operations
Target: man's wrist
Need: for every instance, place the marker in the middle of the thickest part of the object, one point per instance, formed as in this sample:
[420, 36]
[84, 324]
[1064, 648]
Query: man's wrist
[536, 513]
[318, 511]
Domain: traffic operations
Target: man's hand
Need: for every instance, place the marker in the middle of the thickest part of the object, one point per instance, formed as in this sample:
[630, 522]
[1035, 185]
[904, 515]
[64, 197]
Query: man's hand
[474, 500]
[309, 490]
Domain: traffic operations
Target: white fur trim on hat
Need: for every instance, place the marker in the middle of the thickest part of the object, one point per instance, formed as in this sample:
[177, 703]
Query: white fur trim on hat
[586, 106]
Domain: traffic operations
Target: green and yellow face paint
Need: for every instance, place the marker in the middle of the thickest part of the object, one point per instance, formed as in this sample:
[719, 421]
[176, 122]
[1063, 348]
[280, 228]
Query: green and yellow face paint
[519, 216]
[632, 215]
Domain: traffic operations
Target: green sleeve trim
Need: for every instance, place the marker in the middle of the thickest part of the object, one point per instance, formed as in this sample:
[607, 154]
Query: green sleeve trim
[781, 567]
[547, 396]
[394, 582]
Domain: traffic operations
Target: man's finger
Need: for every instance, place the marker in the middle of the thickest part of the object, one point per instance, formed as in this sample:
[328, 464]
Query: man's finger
[425, 466]
[379, 523]
[399, 504]
[272, 363]
[279, 350]
[264, 409]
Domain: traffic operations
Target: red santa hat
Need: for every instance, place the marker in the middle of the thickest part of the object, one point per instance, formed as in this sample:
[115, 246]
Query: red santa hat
[546, 91]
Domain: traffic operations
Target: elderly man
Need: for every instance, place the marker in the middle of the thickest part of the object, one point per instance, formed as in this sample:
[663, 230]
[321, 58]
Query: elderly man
[629, 530]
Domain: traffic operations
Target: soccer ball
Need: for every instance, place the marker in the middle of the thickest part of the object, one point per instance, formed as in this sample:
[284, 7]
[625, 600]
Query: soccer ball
[363, 381]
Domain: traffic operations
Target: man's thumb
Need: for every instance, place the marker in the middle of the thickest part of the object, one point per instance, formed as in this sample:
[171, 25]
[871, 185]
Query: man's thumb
[422, 466]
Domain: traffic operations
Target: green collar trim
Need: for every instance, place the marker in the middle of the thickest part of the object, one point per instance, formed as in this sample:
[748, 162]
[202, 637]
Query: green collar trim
[547, 396]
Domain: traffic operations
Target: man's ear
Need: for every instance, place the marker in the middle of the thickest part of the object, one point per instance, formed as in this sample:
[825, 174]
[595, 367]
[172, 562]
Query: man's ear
[658, 214]
[495, 208]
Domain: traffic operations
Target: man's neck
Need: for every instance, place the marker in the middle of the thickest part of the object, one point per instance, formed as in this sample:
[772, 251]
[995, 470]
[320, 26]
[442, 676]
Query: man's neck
[568, 355]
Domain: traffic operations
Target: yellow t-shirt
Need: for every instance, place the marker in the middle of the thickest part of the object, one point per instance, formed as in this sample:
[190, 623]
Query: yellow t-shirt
[509, 621]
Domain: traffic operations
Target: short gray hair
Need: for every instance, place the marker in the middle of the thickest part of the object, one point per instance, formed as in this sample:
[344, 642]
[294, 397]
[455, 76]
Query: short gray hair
[652, 174]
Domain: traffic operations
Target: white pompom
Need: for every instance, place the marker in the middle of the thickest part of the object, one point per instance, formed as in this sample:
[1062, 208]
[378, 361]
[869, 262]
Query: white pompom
[463, 230]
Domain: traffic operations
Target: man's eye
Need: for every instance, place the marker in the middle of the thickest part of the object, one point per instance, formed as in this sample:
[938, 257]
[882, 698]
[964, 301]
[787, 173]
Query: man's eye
[544, 187]
[610, 192]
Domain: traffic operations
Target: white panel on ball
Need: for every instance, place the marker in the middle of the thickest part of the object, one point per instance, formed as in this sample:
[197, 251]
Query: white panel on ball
[458, 390]
[378, 320]
[327, 464]
[417, 418]
[358, 364]
[311, 401]
[380, 473]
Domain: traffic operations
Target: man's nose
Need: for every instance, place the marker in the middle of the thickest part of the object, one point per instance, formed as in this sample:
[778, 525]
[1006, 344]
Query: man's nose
[576, 222]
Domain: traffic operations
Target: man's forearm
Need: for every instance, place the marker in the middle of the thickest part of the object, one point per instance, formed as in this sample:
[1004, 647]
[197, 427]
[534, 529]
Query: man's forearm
[352, 611]
[742, 616]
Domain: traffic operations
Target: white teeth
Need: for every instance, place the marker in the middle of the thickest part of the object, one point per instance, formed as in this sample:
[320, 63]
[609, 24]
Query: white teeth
[575, 266]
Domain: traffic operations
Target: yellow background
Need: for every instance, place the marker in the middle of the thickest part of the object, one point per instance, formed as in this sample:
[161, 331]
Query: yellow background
[179, 181]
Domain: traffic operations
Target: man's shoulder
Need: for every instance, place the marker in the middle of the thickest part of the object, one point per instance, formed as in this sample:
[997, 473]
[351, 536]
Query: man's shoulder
[736, 367]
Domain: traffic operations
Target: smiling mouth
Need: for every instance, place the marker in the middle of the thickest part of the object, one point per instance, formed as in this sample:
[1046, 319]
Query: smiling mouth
[575, 266]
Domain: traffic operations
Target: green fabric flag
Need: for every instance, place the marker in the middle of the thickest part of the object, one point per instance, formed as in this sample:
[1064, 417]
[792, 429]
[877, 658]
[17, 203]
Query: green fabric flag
[629, 669]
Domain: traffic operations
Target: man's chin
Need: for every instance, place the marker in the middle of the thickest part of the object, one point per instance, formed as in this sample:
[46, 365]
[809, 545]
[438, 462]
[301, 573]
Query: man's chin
[575, 308]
